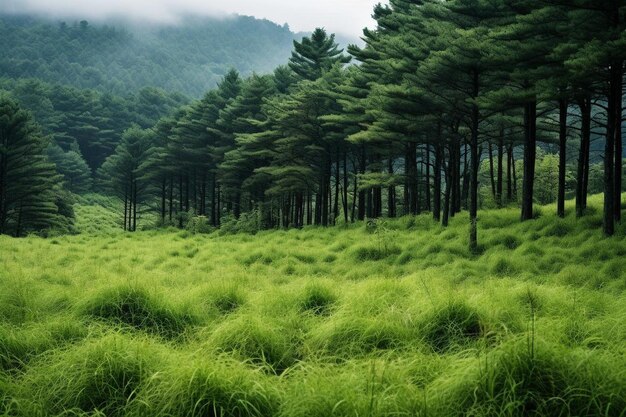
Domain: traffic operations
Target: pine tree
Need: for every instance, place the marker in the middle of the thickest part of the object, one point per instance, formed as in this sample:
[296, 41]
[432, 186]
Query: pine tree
[121, 173]
[315, 54]
[28, 181]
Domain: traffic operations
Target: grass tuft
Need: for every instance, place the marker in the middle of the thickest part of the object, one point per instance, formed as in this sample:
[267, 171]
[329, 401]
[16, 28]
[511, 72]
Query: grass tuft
[317, 299]
[133, 306]
[549, 382]
[207, 387]
[100, 376]
[451, 327]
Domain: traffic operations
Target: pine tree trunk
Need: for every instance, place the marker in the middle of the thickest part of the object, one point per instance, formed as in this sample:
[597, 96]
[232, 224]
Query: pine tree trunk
[218, 205]
[530, 154]
[618, 146]
[474, 160]
[427, 163]
[466, 178]
[171, 197]
[492, 179]
[514, 173]
[609, 149]
[337, 182]
[583, 155]
[500, 166]
[560, 210]
[411, 178]
[213, 201]
[354, 194]
[163, 198]
[362, 193]
[180, 201]
[391, 190]
[135, 206]
[447, 203]
[345, 187]
[125, 205]
[509, 174]
[457, 178]
[437, 181]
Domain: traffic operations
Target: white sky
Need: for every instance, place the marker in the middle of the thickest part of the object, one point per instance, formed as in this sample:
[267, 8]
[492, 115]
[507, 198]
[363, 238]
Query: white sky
[341, 16]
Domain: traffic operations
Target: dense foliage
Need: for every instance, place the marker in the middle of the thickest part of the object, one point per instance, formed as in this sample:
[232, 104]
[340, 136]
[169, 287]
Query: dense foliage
[451, 106]
[454, 105]
[31, 198]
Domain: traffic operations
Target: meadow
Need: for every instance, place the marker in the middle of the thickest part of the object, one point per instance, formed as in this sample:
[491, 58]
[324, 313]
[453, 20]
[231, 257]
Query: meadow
[388, 318]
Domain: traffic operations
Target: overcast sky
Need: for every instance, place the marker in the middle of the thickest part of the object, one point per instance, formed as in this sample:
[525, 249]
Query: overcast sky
[342, 16]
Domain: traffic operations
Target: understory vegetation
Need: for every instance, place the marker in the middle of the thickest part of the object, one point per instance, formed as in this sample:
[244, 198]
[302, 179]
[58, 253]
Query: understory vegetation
[319, 321]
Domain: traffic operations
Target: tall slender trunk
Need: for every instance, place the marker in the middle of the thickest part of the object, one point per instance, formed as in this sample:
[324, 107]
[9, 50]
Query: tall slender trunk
[163, 192]
[135, 206]
[514, 173]
[125, 205]
[466, 177]
[391, 190]
[618, 146]
[345, 186]
[474, 160]
[355, 193]
[457, 178]
[337, 182]
[492, 178]
[413, 179]
[583, 155]
[180, 201]
[560, 210]
[614, 120]
[362, 193]
[509, 173]
[500, 166]
[437, 179]
[530, 155]
[213, 201]
[447, 203]
[171, 197]
[427, 163]
[218, 205]
[377, 202]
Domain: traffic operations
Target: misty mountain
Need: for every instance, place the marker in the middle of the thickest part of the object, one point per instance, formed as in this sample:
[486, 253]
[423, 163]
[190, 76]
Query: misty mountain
[118, 58]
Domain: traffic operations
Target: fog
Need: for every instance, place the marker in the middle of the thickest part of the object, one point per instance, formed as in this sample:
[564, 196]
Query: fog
[341, 16]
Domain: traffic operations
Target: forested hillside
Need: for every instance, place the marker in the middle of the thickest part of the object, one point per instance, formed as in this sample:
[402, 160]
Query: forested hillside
[117, 58]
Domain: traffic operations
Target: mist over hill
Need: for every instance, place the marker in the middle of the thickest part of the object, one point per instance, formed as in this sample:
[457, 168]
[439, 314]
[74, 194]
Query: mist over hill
[121, 57]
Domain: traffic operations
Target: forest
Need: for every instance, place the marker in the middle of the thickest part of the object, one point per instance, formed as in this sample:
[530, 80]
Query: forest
[428, 223]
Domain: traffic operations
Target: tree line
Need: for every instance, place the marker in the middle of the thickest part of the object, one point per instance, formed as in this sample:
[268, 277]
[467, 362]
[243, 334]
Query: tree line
[447, 106]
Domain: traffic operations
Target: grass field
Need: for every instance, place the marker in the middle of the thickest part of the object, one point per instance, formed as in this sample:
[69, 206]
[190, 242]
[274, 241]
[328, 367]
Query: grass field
[396, 319]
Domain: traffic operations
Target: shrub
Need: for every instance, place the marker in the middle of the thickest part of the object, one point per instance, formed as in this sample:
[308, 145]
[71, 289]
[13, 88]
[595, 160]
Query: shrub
[198, 224]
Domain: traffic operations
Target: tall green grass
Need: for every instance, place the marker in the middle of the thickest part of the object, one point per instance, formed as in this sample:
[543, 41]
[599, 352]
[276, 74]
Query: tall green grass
[396, 319]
